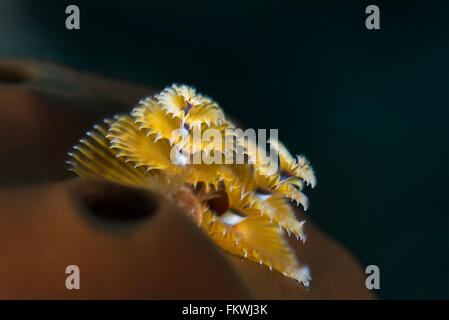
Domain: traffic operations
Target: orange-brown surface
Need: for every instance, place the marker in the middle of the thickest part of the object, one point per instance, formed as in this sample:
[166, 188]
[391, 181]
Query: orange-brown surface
[128, 243]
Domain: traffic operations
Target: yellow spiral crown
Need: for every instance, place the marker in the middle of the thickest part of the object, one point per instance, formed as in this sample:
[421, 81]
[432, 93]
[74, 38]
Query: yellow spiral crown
[243, 208]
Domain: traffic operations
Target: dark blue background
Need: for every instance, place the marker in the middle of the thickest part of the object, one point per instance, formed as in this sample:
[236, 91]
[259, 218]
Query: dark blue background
[369, 108]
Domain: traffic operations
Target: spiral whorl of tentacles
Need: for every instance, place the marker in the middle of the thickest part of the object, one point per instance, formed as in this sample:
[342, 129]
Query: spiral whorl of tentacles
[244, 208]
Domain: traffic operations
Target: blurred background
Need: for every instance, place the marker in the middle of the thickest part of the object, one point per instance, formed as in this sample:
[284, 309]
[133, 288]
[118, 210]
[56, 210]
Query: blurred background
[369, 108]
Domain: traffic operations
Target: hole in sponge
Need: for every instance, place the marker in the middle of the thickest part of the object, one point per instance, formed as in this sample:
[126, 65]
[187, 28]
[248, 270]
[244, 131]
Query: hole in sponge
[116, 202]
[12, 74]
